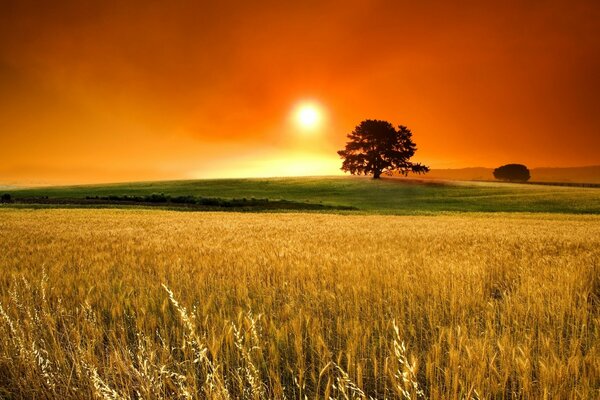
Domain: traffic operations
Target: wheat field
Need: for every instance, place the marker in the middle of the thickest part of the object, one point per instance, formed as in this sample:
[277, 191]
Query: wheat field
[137, 304]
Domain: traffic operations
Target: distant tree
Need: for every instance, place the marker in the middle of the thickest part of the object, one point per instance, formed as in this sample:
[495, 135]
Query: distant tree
[375, 147]
[512, 173]
[5, 198]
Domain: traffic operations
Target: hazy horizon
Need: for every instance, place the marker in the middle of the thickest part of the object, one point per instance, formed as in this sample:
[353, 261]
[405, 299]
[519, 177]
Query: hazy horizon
[464, 173]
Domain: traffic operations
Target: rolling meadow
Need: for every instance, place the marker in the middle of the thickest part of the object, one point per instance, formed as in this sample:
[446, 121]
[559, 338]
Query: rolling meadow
[151, 304]
[383, 196]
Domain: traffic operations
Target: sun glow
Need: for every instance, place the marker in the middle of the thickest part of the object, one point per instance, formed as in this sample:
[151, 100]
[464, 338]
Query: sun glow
[308, 115]
[276, 164]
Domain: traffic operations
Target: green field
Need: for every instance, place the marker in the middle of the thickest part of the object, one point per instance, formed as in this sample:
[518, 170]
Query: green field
[386, 196]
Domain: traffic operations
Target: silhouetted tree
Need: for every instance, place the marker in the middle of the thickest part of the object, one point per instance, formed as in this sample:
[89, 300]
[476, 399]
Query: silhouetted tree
[375, 147]
[512, 173]
[6, 198]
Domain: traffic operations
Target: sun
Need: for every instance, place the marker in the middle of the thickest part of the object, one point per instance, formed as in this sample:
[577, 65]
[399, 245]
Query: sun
[308, 115]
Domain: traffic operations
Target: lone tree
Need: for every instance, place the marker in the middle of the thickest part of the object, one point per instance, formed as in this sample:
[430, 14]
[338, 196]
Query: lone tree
[512, 173]
[375, 147]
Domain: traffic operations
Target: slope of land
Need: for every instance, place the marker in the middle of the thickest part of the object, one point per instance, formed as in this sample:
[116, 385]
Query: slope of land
[384, 196]
[589, 174]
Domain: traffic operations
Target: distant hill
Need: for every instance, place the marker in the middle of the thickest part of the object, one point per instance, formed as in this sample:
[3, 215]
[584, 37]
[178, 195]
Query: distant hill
[574, 174]
[461, 174]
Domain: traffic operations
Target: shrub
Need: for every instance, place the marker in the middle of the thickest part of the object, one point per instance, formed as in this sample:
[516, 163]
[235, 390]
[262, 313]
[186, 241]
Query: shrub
[6, 198]
[157, 198]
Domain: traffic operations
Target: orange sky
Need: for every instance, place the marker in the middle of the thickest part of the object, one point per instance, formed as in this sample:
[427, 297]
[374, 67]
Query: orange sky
[113, 92]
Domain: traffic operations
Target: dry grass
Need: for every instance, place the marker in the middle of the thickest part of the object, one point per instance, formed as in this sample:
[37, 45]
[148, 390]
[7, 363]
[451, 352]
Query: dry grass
[297, 306]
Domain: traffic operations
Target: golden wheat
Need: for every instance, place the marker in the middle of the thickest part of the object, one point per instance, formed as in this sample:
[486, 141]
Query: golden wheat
[121, 304]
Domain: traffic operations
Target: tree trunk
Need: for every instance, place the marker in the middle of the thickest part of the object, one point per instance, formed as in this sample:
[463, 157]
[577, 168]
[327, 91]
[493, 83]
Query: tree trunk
[376, 174]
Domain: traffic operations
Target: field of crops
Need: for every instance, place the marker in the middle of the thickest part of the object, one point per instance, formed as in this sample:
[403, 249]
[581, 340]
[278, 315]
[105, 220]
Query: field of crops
[138, 304]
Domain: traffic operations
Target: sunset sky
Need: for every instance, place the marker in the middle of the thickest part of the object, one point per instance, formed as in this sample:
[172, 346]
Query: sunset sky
[139, 90]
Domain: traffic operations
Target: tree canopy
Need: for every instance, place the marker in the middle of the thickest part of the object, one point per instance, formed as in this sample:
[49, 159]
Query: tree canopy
[512, 173]
[376, 147]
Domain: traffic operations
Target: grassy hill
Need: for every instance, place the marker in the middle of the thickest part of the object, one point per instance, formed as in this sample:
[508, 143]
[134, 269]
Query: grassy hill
[390, 195]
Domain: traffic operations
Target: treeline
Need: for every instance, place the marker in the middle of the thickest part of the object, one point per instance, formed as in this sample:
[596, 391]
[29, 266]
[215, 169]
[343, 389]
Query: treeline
[168, 201]
[201, 202]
